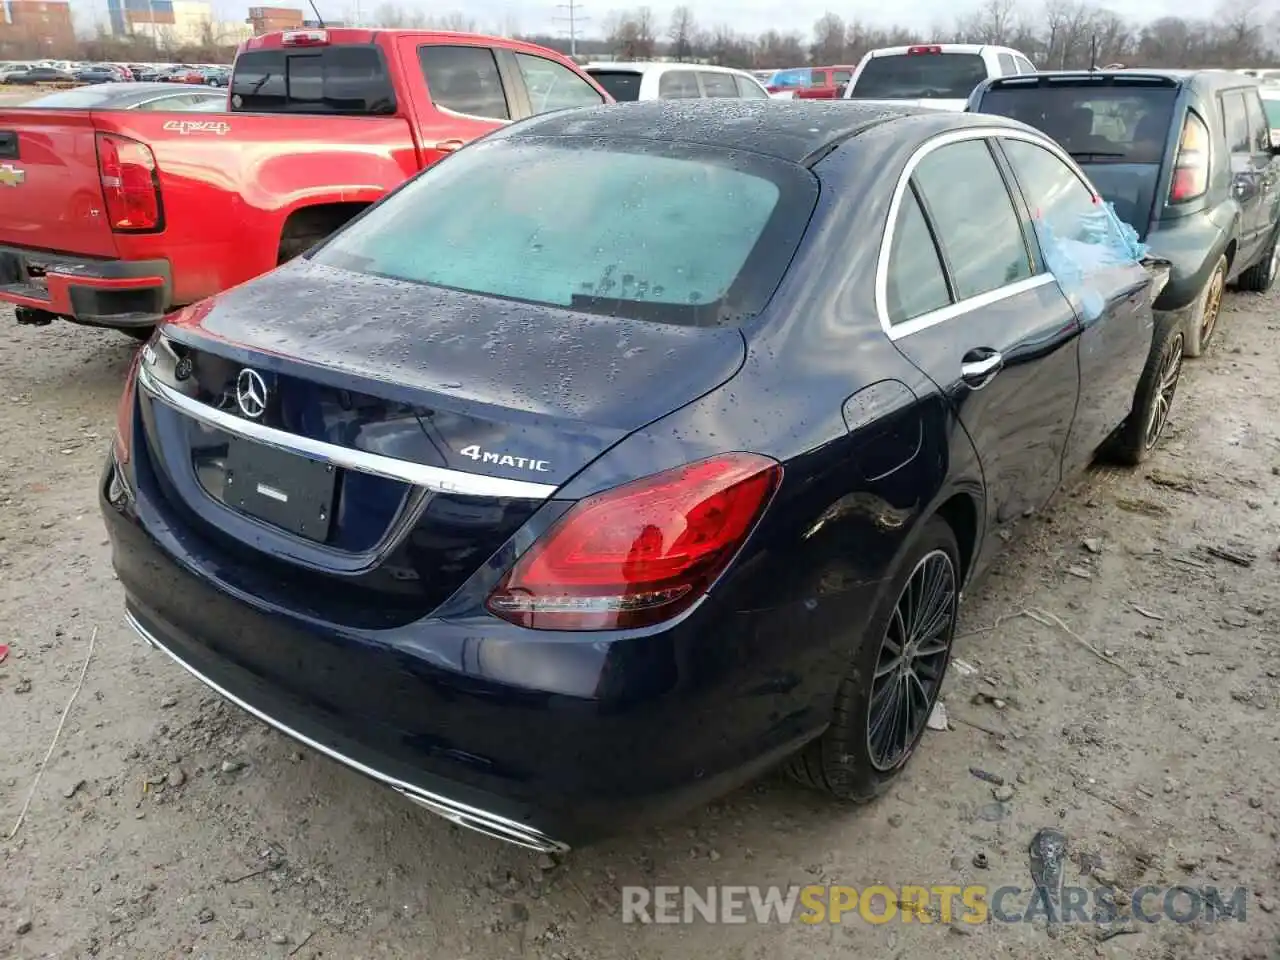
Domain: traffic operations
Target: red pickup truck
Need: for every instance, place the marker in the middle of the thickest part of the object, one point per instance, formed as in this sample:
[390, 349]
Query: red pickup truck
[114, 218]
[811, 83]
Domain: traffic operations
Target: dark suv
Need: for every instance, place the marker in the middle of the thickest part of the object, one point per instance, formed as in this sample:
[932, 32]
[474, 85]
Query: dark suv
[1185, 157]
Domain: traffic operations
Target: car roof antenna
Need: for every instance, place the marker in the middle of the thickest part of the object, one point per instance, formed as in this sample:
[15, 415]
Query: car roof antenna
[316, 11]
[1093, 51]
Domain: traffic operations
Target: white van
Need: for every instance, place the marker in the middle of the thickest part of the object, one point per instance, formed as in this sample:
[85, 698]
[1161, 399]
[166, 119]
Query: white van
[674, 81]
[938, 75]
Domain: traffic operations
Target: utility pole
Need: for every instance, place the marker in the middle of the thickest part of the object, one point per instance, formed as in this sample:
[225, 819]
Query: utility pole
[574, 19]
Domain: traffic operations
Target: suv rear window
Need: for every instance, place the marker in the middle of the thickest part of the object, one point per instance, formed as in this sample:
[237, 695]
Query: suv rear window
[622, 85]
[349, 79]
[921, 76]
[1121, 124]
[673, 233]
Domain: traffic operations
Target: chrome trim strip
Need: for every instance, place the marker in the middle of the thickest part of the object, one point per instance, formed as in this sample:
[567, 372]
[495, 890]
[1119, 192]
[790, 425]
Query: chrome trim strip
[473, 818]
[436, 479]
[895, 332]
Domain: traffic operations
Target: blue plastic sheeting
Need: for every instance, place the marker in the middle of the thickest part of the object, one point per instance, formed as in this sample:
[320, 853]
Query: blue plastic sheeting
[1078, 253]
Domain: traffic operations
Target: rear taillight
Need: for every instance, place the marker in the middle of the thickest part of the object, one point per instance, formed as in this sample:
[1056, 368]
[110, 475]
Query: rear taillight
[642, 552]
[130, 184]
[1191, 164]
[122, 441]
[923, 49]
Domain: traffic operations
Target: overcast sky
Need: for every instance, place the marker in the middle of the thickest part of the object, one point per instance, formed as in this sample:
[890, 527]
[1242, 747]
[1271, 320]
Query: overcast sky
[746, 16]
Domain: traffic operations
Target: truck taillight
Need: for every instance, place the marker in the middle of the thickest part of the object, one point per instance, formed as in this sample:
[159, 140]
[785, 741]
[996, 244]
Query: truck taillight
[923, 49]
[130, 184]
[305, 38]
[1191, 165]
[641, 553]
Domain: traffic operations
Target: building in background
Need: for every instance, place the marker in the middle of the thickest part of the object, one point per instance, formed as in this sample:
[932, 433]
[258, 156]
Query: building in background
[173, 23]
[36, 28]
[268, 19]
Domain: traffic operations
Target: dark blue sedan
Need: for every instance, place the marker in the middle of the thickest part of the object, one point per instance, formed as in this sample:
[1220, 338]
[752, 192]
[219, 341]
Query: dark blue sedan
[631, 451]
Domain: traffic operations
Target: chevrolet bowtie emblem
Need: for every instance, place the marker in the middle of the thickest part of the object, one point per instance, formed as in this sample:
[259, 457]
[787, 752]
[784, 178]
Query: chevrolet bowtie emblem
[11, 176]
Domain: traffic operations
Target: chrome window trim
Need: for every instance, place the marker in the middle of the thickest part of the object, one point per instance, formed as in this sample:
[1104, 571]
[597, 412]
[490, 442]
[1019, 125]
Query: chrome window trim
[436, 479]
[960, 307]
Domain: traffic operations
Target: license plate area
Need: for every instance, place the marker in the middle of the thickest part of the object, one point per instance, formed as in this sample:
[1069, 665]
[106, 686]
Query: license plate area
[286, 489]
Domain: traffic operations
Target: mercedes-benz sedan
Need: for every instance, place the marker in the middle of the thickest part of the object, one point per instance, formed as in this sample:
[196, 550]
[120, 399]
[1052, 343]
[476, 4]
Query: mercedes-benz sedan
[631, 451]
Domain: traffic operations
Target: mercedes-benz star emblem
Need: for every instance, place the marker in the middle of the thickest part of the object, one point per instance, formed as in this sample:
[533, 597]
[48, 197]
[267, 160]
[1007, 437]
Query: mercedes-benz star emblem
[251, 393]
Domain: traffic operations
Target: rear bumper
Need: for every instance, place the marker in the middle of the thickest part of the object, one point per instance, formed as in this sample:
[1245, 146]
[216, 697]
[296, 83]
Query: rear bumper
[547, 741]
[102, 293]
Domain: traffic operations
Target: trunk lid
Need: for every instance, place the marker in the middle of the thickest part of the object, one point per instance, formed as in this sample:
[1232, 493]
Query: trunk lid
[50, 191]
[453, 417]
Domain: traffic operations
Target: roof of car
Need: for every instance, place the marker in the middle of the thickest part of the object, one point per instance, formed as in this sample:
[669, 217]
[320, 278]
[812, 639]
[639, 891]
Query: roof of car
[794, 130]
[651, 66]
[1212, 77]
[945, 48]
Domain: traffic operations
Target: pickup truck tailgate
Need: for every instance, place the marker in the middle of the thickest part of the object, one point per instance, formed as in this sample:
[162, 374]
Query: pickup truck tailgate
[50, 193]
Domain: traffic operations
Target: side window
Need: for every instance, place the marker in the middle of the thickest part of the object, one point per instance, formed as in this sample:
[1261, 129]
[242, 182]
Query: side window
[976, 223]
[718, 84]
[1057, 197]
[553, 86]
[916, 281]
[1259, 129]
[678, 85]
[749, 89]
[1007, 66]
[464, 80]
[1235, 122]
[1024, 65]
[841, 77]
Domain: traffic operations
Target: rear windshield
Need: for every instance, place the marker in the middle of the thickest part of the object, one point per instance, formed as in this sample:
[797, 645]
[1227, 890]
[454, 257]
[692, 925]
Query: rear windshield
[1120, 124]
[350, 79]
[647, 230]
[80, 98]
[622, 85]
[921, 76]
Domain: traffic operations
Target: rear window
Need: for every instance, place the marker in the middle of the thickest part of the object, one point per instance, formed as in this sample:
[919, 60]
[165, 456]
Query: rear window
[79, 98]
[622, 85]
[672, 233]
[921, 76]
[350, 79]
[1094, 124]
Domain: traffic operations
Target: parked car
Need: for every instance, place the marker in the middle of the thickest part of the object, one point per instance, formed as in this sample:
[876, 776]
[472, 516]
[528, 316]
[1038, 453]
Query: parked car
[1187, 160]
[217, 76]
[132, 96]
[565, 510]
[144, 73]
[100, 73]
[936, 75]
[810, 83]
[673, 81]
[41, 75]
[190, 207]
[11, 70]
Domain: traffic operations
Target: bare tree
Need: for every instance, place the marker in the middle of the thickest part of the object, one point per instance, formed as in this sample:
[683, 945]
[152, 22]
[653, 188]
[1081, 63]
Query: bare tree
[681, 32]
[992, 22]
[630, 34]
[828, 40]
[775, 49]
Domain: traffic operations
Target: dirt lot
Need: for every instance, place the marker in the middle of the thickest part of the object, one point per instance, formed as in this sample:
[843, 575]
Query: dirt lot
[168, 823]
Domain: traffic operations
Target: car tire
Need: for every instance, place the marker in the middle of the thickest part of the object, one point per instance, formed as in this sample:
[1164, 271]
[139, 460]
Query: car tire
[848, 760]
[1152, 401]
[1259, 277]
[1203, 319]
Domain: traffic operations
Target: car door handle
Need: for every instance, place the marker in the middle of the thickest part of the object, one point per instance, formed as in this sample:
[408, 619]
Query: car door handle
[979, 366]
[448, 146]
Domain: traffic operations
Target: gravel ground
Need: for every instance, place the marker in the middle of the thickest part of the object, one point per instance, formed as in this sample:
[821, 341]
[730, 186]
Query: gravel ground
[168, 823]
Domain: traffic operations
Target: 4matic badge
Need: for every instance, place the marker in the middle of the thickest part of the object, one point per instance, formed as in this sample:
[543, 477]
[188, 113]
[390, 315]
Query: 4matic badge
[505, 459]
